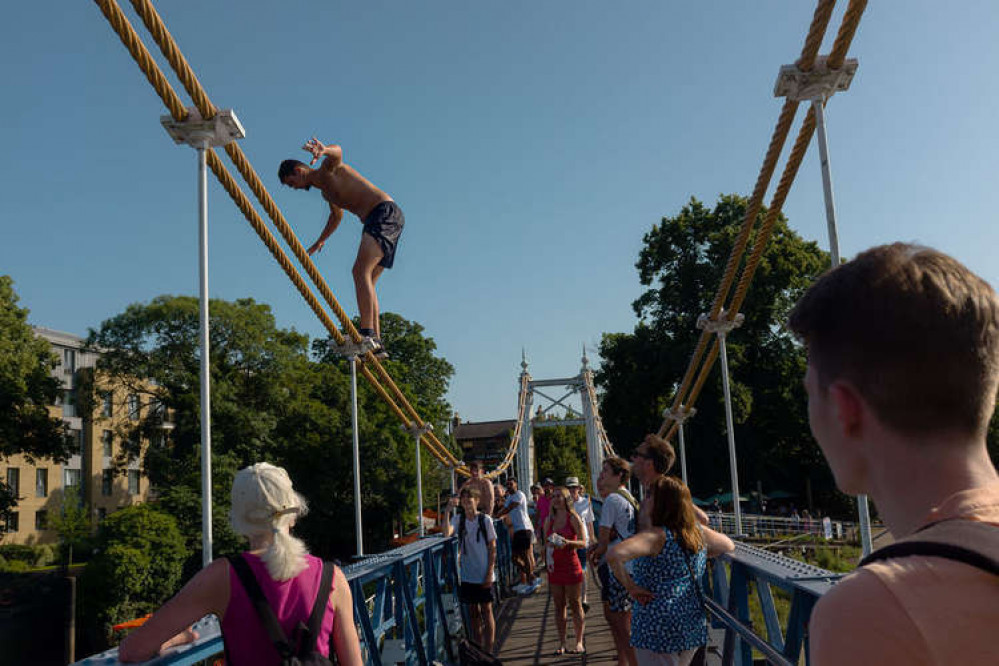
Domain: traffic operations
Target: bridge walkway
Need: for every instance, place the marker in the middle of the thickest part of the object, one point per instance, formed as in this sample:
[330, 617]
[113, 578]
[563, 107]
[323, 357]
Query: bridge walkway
[526, 633]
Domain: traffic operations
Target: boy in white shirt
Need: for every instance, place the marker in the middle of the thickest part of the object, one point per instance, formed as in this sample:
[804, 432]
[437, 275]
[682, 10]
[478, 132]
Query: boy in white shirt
[581, 503]
[477, 554]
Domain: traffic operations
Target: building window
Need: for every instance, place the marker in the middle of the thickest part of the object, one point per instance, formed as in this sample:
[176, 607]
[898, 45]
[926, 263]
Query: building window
[133, 482]
[68, 361]
[41, 520]
[68, 404]
[41, 482]
[71, 478]
[14, 480]
[106, 439]
[133, 406]
[13, 522]
[78, 438]
[107, 478]
[107, 404]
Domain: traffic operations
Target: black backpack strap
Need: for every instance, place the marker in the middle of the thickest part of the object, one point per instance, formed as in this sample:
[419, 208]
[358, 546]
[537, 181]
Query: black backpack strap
[308, 644]
[259, 601]
[482, 527]
[934, 549]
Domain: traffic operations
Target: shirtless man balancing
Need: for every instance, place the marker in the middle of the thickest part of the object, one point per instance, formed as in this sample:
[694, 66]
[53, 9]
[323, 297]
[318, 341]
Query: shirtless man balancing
[344, 188]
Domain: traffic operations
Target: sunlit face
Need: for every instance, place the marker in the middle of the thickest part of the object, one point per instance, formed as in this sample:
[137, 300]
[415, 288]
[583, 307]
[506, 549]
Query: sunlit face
[641, 465]
[558, 501]
[608, 481]
[475, 470]
[468, 503]
[575, 492]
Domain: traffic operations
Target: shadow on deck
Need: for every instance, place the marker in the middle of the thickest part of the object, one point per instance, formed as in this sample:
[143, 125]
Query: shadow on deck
[526, 634]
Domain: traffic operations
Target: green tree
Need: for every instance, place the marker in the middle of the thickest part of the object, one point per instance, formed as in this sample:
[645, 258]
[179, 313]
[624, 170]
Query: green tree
[27, 387]
[276, 399]
[70, 518]
[137, 566]
[681, 265]
[561, 452]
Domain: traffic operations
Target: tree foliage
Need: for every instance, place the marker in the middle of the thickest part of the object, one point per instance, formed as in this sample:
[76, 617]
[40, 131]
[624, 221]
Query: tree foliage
[27, 386]
[137, 566]
[560, 452]
[277, 398]
[681, 265]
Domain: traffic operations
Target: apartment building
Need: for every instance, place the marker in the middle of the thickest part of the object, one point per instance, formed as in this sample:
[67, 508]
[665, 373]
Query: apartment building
[99, 484]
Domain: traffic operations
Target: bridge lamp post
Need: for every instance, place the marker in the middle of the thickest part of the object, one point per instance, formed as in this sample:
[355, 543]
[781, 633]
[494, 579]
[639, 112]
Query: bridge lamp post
[721, 327]
[202, 134]
[816, 86]
[418, 431]
[352, 351]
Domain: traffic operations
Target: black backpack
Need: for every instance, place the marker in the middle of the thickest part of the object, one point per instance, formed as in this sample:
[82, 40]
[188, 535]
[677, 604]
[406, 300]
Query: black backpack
[461, 530]
[302, 652]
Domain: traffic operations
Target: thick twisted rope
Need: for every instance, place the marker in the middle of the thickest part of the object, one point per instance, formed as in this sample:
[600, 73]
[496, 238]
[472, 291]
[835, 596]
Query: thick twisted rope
[168, 46]
[172, 101]
[820, 21]
[844, 37]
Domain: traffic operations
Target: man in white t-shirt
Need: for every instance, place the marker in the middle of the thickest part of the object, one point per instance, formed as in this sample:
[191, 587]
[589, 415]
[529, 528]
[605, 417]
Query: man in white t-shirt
[617, 522]
[477, 554]
[523, 531]
[581, 503]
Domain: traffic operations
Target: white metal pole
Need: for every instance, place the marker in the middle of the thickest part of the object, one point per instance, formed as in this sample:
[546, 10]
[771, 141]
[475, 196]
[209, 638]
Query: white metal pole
[454, 488]
[357, 455]
[730, 426]
[206, 416]
[683, 457]
[818, 105]
[419, 485]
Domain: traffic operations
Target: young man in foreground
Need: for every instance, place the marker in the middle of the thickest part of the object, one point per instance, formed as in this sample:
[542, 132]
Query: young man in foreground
[903, 361]
[346, 189]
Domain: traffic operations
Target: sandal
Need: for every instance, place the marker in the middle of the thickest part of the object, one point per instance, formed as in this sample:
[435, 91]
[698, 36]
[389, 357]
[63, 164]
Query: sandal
[559, 652]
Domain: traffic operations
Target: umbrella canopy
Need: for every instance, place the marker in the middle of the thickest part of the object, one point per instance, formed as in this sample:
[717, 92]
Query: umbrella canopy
[725, 498]
[779, 494]
[700, 502]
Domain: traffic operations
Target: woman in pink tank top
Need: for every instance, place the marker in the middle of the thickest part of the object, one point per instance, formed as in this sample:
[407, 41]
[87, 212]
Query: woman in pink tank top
[264, 508]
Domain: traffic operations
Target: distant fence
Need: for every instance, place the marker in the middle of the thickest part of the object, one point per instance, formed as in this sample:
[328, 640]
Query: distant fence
[779, 527]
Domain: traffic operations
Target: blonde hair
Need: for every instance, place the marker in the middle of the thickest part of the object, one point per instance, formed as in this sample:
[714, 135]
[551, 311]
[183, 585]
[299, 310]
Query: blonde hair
[264, 503]
[570, 508]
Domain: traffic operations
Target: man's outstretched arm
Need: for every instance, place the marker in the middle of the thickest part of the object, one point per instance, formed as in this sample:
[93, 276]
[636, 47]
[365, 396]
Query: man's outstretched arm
[336, 214]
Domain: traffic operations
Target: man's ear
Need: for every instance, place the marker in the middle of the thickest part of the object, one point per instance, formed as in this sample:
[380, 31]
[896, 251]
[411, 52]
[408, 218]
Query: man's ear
[850, 407]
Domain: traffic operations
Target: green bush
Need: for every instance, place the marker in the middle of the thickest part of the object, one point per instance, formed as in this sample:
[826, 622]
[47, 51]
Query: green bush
[18, 551]
[14, 566]
[137, 565]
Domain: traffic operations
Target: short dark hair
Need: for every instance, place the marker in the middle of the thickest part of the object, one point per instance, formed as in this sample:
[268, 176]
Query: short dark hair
[288, 167]
[660, 452]
[619, 467]
[915, 332]
[474, 464]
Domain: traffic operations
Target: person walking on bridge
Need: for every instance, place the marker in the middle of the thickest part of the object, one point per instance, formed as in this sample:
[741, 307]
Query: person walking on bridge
[344, 188]
[903, 363]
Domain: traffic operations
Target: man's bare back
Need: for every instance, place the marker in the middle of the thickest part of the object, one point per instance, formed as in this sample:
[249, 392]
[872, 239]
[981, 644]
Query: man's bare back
[342, 186]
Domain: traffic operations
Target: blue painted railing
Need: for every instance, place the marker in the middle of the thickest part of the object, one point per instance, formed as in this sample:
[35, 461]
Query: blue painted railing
[728, 586]
[405, 607]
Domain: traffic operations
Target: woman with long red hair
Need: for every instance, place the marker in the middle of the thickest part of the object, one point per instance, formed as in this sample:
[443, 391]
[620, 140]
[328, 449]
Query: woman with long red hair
[668, 622]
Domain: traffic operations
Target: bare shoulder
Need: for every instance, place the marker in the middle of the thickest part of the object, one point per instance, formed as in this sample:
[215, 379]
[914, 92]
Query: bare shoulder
[863, 609]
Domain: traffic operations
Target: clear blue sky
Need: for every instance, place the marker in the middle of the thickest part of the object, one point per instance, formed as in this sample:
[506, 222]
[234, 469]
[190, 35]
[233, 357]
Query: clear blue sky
[531, 145]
